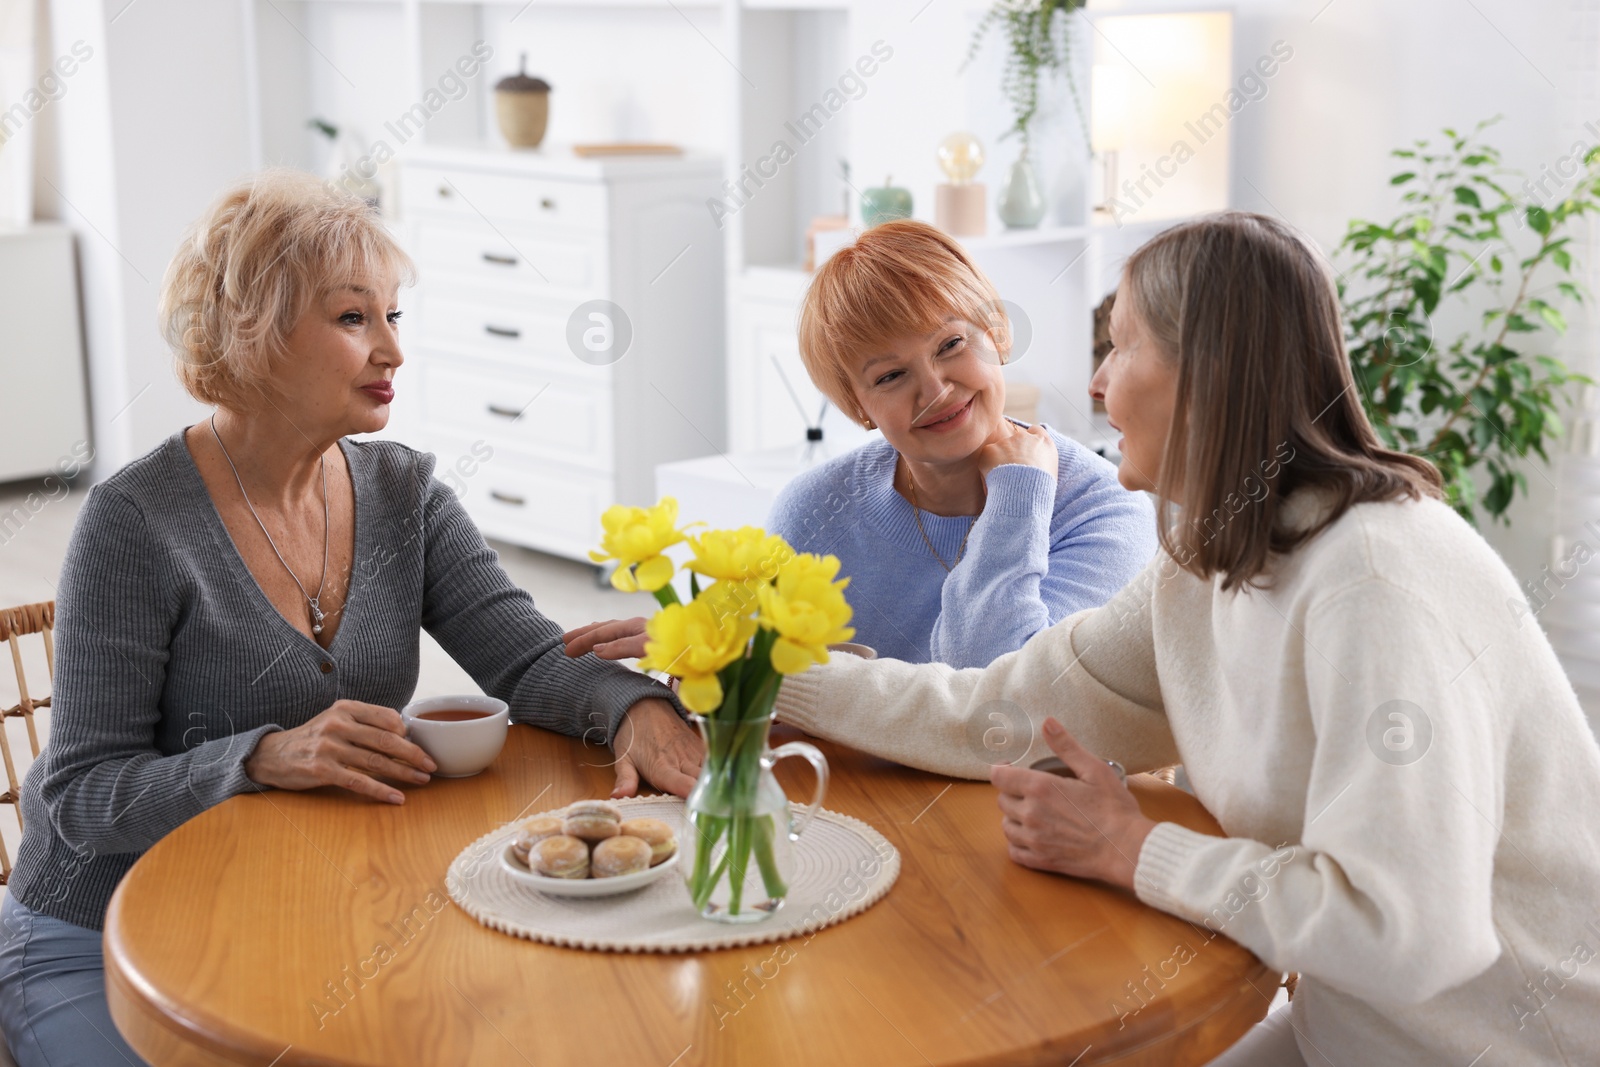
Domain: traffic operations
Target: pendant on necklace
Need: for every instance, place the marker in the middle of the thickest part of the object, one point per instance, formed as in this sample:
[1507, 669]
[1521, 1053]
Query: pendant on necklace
[316, 618]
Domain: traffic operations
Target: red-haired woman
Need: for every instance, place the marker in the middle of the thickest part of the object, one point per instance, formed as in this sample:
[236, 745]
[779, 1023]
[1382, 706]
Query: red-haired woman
[963, 532]
[1411, 792]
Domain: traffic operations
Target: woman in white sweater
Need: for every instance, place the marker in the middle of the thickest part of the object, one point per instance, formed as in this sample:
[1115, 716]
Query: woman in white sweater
[1344, 667]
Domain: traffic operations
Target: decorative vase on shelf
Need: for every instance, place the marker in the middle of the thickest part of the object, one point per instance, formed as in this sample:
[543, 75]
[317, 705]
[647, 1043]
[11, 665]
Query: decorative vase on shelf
[885, 203]
[1021, 203]
[522, 107]
[768, 612]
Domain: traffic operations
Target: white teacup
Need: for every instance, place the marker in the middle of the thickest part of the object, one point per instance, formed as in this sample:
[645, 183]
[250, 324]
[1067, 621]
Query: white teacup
[461, 747]
[854, 648]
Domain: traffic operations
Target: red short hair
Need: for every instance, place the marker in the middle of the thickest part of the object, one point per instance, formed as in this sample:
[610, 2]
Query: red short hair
[898, 279]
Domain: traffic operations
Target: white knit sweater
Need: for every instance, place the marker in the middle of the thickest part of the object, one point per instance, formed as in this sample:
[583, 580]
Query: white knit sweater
[1441, 891]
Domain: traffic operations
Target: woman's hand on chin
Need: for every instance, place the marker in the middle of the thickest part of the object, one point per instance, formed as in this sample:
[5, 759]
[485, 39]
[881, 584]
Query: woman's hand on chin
[349, 745]
[1031, 447]
[1089, 826]
[616, 639]
[655, 744]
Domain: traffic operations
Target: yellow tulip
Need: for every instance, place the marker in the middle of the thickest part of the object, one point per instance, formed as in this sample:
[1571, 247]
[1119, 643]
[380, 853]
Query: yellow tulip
[807, 608]
[743, 555]
[636, 538]
[696, 640]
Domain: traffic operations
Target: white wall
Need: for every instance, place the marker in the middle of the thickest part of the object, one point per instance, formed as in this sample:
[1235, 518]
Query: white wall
[151, 128]
[1372, 75]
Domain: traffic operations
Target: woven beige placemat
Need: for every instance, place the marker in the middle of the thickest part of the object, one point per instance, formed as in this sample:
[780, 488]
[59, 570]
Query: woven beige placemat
[842, 867]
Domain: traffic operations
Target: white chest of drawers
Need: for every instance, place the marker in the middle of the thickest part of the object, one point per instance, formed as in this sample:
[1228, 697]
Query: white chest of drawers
[511, 380]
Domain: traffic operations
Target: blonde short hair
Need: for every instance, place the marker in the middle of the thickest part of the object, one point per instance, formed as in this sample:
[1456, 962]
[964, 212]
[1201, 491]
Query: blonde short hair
[898, 279]
[250, 267]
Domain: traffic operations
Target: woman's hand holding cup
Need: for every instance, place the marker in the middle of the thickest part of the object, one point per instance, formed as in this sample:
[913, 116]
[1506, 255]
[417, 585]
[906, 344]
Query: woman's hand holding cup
[349, 745]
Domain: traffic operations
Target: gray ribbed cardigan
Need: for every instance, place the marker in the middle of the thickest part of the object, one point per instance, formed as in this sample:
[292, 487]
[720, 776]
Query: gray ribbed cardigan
[172, 663]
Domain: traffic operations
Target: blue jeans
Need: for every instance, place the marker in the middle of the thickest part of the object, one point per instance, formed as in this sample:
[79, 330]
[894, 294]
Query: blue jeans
[53, 994]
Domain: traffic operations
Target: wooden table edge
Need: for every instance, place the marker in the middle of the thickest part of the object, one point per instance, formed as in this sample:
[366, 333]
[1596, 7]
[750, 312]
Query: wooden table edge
[165, 1036]
[167, 1033]
[177, 1035]
[1129, 1055]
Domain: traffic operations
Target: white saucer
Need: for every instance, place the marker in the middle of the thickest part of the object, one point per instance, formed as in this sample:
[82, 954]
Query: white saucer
[582, 887]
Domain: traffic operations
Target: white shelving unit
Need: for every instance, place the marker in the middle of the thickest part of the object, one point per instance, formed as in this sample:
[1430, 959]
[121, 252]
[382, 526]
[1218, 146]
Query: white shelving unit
[1053, 275]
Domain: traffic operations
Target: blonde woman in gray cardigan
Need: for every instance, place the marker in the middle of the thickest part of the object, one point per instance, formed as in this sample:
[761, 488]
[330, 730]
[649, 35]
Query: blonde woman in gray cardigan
[239, 609]
[1343, 666]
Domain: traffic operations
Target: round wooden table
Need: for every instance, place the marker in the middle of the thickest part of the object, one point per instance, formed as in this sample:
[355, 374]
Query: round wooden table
[314, 928]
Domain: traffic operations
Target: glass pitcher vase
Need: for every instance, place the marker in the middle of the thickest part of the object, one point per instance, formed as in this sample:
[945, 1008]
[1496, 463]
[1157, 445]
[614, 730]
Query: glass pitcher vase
[742, 834]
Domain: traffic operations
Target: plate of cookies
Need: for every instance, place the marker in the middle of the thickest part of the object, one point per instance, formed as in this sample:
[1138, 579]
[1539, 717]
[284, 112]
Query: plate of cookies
[588, 849]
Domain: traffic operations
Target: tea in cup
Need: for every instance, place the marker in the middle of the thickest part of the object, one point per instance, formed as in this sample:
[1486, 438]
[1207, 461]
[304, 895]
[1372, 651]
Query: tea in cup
[463, 734]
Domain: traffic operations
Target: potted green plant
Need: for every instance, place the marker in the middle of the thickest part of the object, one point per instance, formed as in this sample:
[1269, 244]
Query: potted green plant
[1465, 248]
[1038, 40]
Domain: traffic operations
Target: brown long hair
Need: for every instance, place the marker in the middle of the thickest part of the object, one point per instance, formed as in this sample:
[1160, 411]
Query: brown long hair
[1265, 404]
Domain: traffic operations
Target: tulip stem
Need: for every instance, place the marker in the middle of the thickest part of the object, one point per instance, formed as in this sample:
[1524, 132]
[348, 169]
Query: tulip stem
[739, 850]
[771, 877]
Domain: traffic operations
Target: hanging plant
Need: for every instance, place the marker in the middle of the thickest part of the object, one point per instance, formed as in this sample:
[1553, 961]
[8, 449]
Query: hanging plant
[1038, 40]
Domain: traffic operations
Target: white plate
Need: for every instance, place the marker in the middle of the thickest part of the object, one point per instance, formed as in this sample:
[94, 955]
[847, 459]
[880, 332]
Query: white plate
[582, 887]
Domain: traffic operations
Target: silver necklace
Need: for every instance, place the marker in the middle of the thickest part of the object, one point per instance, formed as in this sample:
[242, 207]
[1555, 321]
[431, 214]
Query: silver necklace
[916, 513]
[316, 609]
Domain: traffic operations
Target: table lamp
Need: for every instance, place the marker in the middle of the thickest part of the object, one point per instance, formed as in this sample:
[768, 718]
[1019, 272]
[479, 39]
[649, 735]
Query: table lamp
[1108, 119]
[1161, 156]
[959, 205]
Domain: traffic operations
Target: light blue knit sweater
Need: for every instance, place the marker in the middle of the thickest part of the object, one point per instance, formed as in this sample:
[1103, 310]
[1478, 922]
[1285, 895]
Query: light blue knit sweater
[1037, 553]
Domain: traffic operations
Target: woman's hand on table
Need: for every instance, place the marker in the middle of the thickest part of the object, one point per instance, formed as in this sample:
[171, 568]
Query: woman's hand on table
[1031, 447]
[348, 745]
[653, 742]
[616, 639]
[1089, 826]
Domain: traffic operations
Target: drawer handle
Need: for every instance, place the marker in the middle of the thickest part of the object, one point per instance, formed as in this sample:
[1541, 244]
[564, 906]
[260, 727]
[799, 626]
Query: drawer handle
[502, 331]
[444, 192]
[504, 412]
[504, 261]
[507, 498]
[548, 204]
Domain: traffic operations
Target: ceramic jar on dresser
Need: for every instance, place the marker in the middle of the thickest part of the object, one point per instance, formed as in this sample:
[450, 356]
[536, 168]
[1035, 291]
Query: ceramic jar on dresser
[565, 334]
